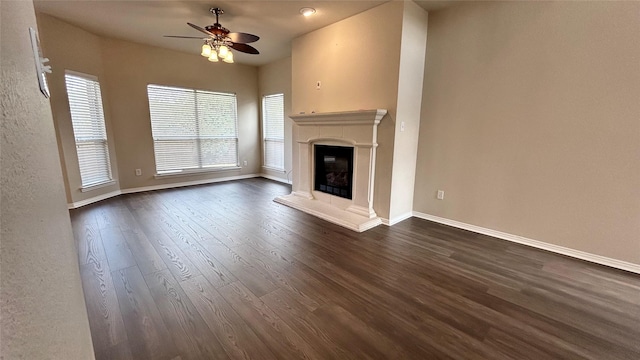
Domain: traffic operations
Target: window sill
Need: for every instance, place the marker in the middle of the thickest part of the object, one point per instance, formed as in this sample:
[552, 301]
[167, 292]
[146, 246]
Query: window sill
[194, 172]
[97, 186]
[282, 170]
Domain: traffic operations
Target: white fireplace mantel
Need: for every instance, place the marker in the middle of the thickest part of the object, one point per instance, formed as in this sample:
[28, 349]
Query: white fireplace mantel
[357, 129]
[357, 117]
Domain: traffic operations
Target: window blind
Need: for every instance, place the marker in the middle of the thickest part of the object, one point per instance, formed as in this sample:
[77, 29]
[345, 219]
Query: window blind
[87, 117]
[273, 130]
[193, 129]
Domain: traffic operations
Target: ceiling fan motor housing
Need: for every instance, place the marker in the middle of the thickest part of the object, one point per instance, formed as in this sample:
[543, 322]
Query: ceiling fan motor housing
[217, 29]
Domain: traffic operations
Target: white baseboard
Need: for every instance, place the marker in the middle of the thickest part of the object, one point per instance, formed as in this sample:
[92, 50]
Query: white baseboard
[598, 259]
[187, 183]
[397, 219]
[88, 201]
[156, 187]
[275, 178]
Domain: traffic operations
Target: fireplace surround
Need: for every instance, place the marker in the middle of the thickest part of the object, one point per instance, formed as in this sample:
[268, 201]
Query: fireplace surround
[356, 130]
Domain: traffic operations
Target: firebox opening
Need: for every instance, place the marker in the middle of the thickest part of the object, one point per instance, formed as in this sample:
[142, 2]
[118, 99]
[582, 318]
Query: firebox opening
[334, 170]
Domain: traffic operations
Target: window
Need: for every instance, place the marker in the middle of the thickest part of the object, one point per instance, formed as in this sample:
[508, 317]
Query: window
[273, 130]
[87, 117]
[193, 129]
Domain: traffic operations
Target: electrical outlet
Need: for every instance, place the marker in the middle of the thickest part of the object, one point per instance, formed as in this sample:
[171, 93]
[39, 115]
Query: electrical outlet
[246, 163]
[402, 126]
[138, 172]
[440, 194]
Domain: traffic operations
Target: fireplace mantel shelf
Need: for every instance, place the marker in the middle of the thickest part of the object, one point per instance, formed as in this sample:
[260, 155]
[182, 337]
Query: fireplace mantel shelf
[356, 117]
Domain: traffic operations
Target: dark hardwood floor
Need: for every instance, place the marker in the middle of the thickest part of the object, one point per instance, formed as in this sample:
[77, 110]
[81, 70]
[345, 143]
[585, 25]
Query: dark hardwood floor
[221, 271]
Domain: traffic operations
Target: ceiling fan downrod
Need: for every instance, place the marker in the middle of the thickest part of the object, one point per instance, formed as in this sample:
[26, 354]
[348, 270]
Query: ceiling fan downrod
[217, 12]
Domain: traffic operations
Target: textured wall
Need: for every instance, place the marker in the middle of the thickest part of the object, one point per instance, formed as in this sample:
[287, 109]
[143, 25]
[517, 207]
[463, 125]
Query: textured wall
[275, 78]
[43, 310]
[530, 122]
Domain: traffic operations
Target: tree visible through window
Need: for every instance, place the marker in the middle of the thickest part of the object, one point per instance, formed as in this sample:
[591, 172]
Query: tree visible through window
[193, 129]
[273, 130]
[87, 117]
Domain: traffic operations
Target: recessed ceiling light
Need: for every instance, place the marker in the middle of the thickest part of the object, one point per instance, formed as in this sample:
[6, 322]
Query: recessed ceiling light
[307, 11]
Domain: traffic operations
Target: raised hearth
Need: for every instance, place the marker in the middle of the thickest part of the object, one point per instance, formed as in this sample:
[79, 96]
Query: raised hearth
[354, 129]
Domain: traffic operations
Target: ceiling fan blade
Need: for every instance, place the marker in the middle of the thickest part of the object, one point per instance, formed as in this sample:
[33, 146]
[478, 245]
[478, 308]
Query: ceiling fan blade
[245, 48]
[199, 29]
[243, 38]
[185, 37]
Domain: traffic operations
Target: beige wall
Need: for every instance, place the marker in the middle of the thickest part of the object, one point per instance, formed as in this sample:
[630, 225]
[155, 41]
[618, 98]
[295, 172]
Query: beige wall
[530, 122]
[43, 310]
[124, 70]
[71, 48]
[275, 78]
[130, 67]
[357, 62]
[410, 82]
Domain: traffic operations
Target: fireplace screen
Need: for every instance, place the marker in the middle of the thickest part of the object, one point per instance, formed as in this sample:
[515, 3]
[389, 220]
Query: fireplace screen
[334, 170]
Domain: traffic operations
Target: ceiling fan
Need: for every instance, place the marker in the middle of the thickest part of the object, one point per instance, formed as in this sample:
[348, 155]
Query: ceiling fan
[220, 40]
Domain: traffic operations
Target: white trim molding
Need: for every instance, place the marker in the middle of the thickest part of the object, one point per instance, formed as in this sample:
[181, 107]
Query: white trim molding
[598, 259]
[94, 199]
[340, 118]
[91, 200]
[275, 178]
[187, 183]
[397, 219]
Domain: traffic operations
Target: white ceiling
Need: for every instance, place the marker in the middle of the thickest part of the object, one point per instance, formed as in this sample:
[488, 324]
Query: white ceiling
[276, 22]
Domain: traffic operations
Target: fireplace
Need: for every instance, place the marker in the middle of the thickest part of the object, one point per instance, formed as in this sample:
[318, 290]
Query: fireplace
[334, 160]
[333, 170]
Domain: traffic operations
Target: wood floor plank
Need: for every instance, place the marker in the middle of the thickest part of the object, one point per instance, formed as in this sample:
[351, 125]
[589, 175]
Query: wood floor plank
[357, 334]
[105, 319]
[256, 280]
[175, 260]
[221, 270]
[591, 324]
[284, 280]
[144, 253]
[274, 332]
[120, 351]
[305, 323]
[187, 328]
[146, 331]
[90, 249]
[235, 335]
[115, 246]
[188, 240]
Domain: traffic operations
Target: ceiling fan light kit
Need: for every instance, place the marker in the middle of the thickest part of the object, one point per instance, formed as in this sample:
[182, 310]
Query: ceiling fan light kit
[219, 41]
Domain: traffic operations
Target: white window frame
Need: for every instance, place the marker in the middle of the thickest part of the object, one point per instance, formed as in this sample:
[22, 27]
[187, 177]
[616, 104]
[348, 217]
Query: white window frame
[266, 139]
[200, 168]
[98, 126]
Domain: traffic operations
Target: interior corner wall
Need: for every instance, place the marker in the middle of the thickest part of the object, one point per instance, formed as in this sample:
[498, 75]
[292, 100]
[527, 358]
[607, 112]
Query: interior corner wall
[357, 62]
[275, 78]
[43, 313]
[130, 67]
[530, 122]
[71, 48]
[413, 47]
